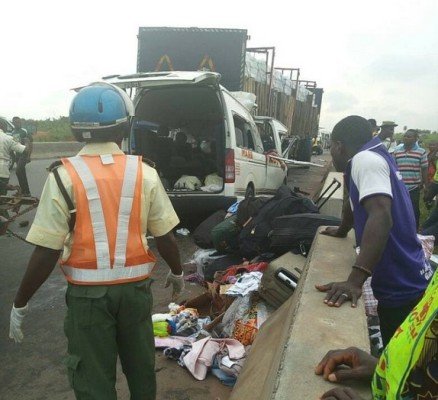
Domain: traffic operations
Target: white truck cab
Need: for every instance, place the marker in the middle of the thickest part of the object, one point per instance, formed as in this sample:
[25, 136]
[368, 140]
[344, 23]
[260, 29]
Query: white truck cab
[197, 133]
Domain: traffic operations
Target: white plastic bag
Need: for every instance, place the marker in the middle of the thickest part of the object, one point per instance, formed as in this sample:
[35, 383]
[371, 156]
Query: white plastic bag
[202, 257]
[188, 183]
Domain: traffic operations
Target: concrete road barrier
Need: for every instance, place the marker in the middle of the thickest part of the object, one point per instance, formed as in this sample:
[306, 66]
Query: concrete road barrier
[43, 150]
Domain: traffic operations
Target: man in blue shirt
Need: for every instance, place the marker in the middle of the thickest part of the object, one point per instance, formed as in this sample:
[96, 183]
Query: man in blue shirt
[384, 224]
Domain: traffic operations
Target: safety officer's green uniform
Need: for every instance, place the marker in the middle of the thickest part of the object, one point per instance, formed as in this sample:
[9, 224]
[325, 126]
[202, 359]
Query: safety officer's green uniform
[104, 320]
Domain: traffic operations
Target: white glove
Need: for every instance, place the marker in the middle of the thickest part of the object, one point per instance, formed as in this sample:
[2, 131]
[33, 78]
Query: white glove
[177, 282]
[17, 316]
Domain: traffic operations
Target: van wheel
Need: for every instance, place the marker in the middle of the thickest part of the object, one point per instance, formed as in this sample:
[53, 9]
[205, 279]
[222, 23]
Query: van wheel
[250, 192]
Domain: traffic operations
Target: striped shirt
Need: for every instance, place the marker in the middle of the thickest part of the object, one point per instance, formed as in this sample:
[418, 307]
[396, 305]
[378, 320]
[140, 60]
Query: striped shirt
[410, 164]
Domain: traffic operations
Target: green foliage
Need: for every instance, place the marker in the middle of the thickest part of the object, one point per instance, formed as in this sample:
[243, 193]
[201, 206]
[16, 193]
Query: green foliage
[426, 137]
[50, 130]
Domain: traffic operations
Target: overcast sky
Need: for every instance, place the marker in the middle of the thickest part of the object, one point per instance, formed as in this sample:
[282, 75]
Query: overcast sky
[378, 58]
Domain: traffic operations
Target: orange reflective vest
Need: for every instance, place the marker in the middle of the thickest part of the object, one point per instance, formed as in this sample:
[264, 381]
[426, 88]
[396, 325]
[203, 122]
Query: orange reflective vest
[107, 244]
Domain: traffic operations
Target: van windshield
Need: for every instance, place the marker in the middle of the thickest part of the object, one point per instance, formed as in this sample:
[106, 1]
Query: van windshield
[181, 129]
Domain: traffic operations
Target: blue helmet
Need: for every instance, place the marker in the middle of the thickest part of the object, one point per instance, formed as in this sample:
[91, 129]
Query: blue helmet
[100, 106]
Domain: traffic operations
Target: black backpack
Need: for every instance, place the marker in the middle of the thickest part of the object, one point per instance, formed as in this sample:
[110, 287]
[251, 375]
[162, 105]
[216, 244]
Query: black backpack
[254, 237]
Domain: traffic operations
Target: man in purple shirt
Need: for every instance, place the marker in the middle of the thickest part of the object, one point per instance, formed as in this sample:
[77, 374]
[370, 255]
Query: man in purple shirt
[384, 223]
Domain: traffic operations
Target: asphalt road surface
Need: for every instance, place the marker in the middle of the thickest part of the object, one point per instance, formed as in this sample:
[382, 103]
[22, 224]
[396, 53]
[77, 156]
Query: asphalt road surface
[34, 369]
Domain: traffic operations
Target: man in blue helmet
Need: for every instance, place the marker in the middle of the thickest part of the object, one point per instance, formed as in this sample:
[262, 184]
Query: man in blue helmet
[94, 212]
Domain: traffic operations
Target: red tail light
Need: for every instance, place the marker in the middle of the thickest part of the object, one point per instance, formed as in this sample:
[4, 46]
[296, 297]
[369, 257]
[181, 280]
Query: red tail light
[230, 168]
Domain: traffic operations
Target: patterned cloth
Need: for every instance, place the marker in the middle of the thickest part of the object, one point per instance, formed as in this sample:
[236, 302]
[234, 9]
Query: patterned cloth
[408, 367]
[369, 299]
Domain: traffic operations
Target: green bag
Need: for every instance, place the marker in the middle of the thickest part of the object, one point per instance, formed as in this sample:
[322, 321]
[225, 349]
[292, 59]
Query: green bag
[225, 235]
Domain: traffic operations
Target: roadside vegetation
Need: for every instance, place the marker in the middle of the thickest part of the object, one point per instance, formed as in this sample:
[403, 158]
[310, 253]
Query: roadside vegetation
[50, 130]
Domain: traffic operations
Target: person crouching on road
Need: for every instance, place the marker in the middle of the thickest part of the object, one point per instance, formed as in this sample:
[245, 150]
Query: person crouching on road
[97, 207]
[384, 224]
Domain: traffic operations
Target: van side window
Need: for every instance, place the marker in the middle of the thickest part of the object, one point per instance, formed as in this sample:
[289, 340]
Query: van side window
[244, 133]
[267, 136]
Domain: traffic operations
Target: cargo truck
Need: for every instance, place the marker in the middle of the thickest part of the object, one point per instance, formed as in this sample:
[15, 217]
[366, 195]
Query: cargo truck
[196, 120]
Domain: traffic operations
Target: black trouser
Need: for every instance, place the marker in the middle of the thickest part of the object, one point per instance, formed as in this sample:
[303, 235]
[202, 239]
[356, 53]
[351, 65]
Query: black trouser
[430, 226]
[3, 186]
[415, 200]
[3, 192]
[21, 174]
[392, 318]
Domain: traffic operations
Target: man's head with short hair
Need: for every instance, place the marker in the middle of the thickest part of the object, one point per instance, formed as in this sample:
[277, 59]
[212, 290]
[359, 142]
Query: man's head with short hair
[410, 138]
[373, 124]
[17, 122]
[348, 137]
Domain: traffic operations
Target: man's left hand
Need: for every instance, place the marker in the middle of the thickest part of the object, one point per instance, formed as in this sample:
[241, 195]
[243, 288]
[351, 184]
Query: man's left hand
[177, 282]
[339, 292]
[339, 393]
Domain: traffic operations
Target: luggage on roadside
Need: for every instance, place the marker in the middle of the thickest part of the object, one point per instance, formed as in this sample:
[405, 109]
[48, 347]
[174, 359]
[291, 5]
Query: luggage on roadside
[225, 235]
[249, 207]
[254, 237]
[202, 234]
[220, 264]
[296, 232]
[281, 278]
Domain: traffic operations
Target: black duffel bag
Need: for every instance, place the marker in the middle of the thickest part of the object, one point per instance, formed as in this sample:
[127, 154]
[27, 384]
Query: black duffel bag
[254, 237]
[202, 234]
[296, 232]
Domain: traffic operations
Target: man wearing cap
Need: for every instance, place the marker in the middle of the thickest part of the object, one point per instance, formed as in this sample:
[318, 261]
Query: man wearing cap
[411, 160]
[386, 134]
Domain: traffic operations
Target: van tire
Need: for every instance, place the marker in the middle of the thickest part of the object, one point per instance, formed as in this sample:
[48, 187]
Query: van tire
[250, 192]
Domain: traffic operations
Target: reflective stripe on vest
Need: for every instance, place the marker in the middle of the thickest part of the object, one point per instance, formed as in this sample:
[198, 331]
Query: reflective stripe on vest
[125, 208]
[102, 276]
[96, 212]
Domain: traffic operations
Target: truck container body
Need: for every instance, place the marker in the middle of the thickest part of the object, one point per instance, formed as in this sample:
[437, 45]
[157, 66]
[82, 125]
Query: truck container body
[194, 49]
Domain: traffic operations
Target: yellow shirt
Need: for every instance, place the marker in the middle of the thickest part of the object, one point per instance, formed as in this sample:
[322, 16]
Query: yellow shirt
[50, 226]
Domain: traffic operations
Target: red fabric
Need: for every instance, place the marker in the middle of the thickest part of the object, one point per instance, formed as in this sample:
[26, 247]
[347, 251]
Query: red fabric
[431, 171]
[239, 269]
